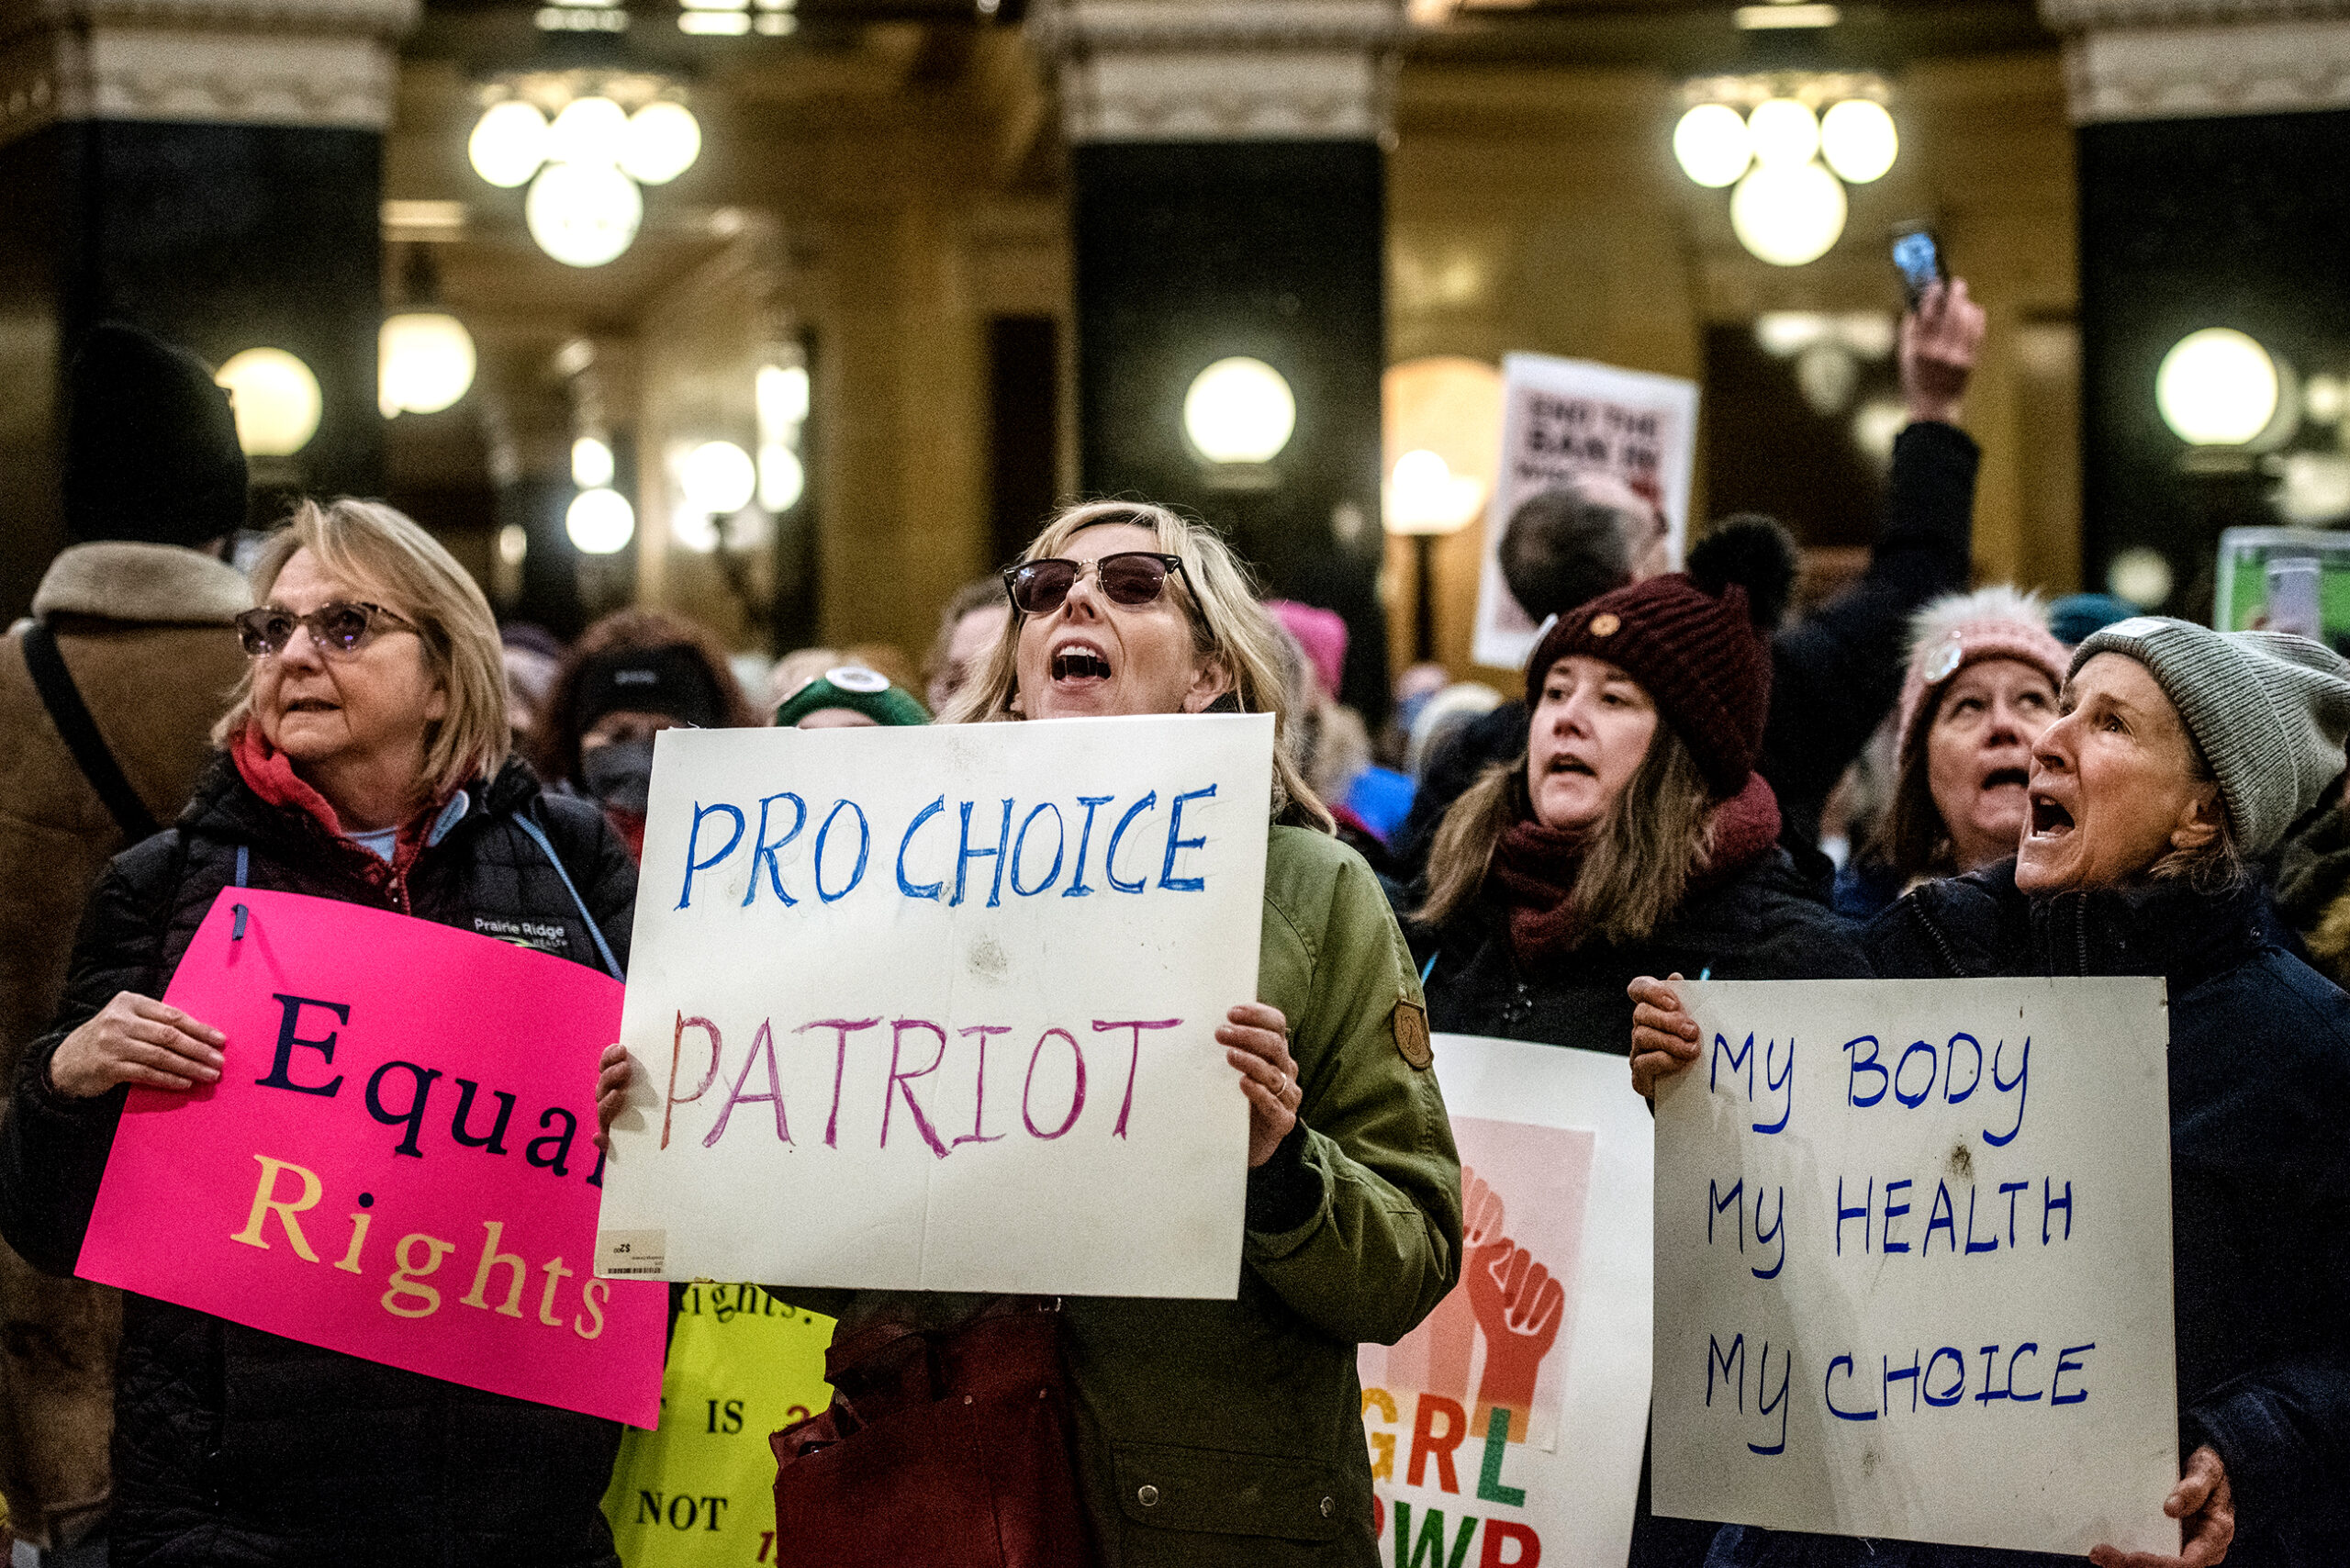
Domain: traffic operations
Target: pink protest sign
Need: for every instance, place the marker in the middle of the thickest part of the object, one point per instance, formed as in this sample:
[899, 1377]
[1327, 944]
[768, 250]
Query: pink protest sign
[397, 1162]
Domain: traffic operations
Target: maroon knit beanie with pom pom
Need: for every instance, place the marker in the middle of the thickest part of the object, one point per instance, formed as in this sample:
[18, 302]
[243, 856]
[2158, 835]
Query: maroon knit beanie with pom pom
[1697, 653]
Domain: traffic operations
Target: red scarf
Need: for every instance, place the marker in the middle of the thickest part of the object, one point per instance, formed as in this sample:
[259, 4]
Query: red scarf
[269, 773]
[1536, 867]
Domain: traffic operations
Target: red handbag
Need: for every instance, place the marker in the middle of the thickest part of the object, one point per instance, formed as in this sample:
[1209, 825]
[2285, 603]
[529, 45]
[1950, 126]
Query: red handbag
[947, 1449]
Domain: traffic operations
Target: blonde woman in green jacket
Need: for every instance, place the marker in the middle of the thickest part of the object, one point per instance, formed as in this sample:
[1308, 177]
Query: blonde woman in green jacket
[1230, 1432]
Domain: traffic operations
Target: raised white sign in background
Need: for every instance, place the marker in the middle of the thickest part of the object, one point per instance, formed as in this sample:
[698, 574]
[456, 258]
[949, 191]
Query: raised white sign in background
[1554, 1314]
[934, 1009]
[1913, 1263]
[1561, 417]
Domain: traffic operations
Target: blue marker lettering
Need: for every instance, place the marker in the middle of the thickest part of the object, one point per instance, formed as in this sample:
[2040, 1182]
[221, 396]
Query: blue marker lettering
[915, 890]
[1109, 855]
[1077, 888]
[693, 841]
[1176, 842]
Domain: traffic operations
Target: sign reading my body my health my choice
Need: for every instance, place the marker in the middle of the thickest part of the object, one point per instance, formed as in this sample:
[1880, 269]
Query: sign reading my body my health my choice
[397, 1162]
[936, 1009]
[1913, 1263]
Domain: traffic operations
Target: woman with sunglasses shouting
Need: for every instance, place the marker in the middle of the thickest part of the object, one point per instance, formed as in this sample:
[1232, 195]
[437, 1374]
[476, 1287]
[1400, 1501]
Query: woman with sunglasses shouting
[365, 759]
[1214, 1433]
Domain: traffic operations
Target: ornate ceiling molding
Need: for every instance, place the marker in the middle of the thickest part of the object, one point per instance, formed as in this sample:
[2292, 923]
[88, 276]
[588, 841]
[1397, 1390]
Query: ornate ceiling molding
[2140, 60]
[312, 62]
[1222, 70]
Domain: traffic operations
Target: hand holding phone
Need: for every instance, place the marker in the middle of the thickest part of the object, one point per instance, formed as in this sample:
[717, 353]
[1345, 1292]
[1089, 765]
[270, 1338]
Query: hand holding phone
[1939, 341]
[1918, 259]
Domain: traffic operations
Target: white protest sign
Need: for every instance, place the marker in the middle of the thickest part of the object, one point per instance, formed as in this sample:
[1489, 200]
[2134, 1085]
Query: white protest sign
[934, 1009]
[1564, 417]
[1913, 1263]
[1511, 1420]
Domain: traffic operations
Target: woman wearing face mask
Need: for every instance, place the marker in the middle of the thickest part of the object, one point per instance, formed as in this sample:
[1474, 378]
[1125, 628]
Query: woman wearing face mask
[366, 760]
[1981, 686]
[631, 674]
[1228, 1434]
[2179, 756]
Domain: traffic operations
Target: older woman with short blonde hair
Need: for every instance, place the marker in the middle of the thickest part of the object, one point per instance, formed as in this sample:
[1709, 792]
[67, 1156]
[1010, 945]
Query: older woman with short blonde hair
[365, 759]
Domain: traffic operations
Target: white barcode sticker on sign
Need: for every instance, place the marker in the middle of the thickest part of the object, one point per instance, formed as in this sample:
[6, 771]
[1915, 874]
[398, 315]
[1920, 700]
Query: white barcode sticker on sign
[626, 1254]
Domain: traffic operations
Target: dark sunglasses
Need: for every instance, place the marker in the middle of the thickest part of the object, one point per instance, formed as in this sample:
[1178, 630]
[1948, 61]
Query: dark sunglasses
[1131, 577]
[338, 628]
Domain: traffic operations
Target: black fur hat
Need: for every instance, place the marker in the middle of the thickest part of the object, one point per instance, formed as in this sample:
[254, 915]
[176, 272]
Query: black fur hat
[151, 444]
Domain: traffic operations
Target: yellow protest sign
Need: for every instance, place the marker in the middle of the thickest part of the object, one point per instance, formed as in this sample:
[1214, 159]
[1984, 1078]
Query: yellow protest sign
[698, 1492]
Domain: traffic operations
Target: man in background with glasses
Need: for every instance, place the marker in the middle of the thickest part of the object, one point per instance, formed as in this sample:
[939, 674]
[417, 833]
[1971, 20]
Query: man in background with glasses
[107, 698]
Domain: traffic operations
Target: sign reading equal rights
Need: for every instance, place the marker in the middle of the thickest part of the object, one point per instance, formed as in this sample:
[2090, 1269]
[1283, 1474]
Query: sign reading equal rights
[1913, 1263]
[936, 1009]
[397, 1161]
[1505, 1429]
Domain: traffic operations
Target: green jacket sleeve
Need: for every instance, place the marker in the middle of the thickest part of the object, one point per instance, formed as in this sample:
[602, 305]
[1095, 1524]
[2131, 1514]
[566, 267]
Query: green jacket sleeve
[1382, 1245]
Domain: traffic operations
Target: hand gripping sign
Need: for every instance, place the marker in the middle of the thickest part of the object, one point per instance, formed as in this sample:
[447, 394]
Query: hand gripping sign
[395, 1162]
[936, 1009]
[1505, 1429]
[1913, 1263]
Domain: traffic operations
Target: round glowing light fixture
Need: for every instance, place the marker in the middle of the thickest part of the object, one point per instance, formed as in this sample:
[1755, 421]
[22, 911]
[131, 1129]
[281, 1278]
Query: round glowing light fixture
[508, 143]
[2216, 387]
[589, 130]
[1240, 410]
[718, 479]
[1858, 139]
[583, 214]
[1784, 134]
[1712, 145]
[599, 521]
[591, 462]
[424, 362]
[1424, 496]
[276, 401]
[662, 141]
[783, 478]
[2140, 576]
[781, 393]
[1788, 213]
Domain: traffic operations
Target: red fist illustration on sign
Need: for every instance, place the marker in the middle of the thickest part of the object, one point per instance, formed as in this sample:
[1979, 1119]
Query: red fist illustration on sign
[1452, 1328]
[1520, 1307]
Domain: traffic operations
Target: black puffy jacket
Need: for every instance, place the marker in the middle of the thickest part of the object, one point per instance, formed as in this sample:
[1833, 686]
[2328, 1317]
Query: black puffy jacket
[233, 1447]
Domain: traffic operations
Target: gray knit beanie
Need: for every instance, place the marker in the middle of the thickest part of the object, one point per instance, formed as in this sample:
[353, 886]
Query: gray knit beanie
[2268, 711]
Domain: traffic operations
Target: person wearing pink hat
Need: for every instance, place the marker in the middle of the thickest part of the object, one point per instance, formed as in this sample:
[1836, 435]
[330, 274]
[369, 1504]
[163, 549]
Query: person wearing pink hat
[1983, 675]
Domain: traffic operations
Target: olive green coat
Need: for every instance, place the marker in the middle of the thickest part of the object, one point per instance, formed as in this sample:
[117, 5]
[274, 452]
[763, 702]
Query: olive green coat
[1230, 1432]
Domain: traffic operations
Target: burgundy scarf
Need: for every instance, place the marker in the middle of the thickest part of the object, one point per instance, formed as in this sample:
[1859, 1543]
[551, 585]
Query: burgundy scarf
[1536, 868]
[269, 773]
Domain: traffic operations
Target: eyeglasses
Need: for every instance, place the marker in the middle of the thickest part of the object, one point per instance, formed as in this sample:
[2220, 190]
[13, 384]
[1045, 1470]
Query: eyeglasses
[1131, 577]
[341, 627]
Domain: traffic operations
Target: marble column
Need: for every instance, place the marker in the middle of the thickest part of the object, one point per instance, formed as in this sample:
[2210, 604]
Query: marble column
[1228, 177]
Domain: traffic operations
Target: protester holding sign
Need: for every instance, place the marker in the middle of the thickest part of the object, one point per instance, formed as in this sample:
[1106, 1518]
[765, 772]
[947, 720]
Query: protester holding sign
[1981, 682]
[366, 761]
[1229, 1431]
[2180, 756]
[1630, 836]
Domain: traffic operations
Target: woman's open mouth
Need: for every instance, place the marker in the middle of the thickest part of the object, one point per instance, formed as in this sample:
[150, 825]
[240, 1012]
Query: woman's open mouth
[1562, 763]
[2049, 819]
[2005, 779]
[311, 705]
[1078, 663]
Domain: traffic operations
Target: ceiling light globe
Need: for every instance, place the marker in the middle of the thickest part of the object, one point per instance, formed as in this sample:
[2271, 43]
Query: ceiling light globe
[1784, 132]
[583, 215]
[599, 521]
[591, 462]
[424, 363]
[276, 399]
[508, 143]
[1788, 215]
[1712, 146]
[589, 130]
[1858, 139]
[1240, 410]
[718, 478]
[783, 478]
[662, 141]
[2217, 388]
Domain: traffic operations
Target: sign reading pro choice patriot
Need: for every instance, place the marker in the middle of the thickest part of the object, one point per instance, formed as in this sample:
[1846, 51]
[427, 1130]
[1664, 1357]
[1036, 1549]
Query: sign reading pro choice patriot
[936, 1009]
[397, 1161]
[1913, 1263]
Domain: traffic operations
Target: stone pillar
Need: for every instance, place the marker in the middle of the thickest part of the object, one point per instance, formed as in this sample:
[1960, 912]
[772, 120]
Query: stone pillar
[2213, 143]
[1228, 177]
[210, 170]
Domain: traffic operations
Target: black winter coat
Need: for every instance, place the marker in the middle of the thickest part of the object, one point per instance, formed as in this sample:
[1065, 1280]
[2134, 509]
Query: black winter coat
[1835, 675]
[2260, 1190]
[1764, 924]
[235, 1446]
